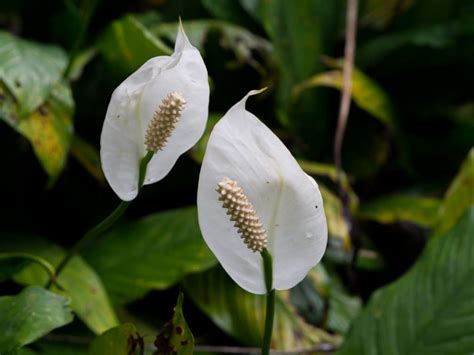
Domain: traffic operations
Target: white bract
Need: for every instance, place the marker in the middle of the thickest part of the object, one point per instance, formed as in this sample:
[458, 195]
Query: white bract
[136, 101]
[281, 202]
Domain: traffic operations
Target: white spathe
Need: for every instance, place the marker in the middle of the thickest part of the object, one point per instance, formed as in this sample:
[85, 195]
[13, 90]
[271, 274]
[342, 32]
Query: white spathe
[286, 199]
[133, 105]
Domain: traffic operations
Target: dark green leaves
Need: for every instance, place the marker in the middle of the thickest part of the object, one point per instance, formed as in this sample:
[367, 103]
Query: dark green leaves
[31, 314]
[430, 309]
[78, 280]
[127, 44]
[152, 253]
[241, 314]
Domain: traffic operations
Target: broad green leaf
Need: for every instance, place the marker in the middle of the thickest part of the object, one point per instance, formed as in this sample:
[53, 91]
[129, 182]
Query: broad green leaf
[121, 340]
[175, 337]
[127, 44]
[459, 197]
[29, 70]
[427, 311]
[342, 310]
[301, 33]
[31, 314]
[395, 208]
[152, 253]
[88, 156]
[243, 43]
[48, 128]
[339, 308]
[240, 314]
[366, 93]
[79, 281]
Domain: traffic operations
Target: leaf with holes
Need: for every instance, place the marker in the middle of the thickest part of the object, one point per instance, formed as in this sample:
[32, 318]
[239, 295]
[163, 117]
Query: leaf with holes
[121, 340]
[175, 336]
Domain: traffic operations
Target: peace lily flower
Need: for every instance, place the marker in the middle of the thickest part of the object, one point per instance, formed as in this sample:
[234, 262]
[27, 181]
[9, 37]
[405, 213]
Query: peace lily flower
[163, 108]
[253, 195]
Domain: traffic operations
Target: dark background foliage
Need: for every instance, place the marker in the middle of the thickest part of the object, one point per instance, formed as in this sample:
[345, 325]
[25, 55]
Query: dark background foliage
[406, 189]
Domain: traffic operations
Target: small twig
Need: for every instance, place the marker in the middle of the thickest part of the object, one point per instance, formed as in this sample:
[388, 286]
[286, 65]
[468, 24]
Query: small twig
[349, 52]
[320, 348]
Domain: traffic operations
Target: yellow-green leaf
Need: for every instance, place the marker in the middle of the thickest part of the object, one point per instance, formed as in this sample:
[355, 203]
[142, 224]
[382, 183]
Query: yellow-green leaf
[121, 340]
[366, 93]
[459, 197]
[389, 209]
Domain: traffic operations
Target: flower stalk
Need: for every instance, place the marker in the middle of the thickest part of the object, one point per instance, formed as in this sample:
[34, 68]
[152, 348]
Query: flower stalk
[103, 226]
[270, 301]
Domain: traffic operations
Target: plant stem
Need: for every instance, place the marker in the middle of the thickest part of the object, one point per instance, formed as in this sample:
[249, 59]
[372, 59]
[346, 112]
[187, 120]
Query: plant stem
[105, 224]
[34, 258]
[270, 307]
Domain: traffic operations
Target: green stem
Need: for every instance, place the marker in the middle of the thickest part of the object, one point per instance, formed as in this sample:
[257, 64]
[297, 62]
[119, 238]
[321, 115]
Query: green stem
[34, 258]
[105, 224]
[270, 307]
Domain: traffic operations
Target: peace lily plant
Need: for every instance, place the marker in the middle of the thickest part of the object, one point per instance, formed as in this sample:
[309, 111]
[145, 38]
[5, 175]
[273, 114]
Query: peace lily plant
[259, 212]
[154, 116]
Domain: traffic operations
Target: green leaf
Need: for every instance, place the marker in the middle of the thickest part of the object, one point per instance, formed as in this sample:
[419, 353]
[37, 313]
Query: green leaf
[88, 156]
[241, 314]
[127, 44]
[427, 311]
[152, 253]
[338, 225]
[29, 70]
[80, 282]
[300, 34]
[228, 10]
[366, 93]
[48, 128]
[121, 340]
[175, 336]
[459, 197]
[394, 208]
[31, 314]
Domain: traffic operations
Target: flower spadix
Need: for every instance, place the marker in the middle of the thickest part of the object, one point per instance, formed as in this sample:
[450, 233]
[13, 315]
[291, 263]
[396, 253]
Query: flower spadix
[162, 107]
[252, 195]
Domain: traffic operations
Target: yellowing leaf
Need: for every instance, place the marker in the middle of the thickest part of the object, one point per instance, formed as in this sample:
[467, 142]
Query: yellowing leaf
[366, 93]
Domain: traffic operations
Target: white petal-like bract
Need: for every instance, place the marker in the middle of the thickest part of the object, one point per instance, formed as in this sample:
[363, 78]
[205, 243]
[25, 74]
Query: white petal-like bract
[134, 103]
[288, 203]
